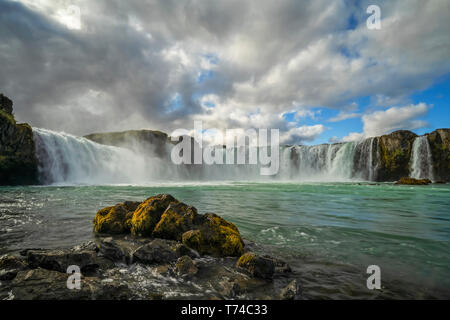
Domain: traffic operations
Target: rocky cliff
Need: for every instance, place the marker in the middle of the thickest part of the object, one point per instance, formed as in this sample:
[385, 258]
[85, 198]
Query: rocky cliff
[394, 153]
[18, 163]
[440, 150]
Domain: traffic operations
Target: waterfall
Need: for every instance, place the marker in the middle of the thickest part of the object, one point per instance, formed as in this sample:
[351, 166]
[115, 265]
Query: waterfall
[421, 164]
[366, 159]
[65, 158]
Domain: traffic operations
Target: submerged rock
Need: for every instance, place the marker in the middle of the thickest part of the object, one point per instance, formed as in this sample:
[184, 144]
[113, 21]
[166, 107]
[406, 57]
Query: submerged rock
[115, 219]
[291, 291]
[185, 267]
[257, 266]
[412, 181]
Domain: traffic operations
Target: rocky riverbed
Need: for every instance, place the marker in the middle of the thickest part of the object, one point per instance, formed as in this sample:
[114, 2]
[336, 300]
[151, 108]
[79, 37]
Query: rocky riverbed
[195, 256]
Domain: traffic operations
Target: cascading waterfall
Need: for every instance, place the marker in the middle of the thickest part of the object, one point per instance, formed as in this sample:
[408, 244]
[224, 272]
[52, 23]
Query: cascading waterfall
[366, 159]
[332, 162]
[64, 158]
[421, 164]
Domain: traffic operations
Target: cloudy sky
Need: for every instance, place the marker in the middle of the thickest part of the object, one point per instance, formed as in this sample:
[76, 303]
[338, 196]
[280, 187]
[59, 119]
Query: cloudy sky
[312, 69]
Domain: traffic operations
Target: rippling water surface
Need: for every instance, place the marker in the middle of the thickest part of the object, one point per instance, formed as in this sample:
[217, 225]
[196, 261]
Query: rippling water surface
[329, 232]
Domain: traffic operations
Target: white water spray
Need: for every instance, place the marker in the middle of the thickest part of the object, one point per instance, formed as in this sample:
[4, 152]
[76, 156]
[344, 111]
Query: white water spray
[64, 158]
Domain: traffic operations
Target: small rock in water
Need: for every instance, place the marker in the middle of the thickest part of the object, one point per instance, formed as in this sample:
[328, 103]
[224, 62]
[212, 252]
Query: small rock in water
[412, 181]
[185, 267]
[161, 251]
[230, 289]
[10, 266]
[291, 291]
[257, 266]
[163, 270]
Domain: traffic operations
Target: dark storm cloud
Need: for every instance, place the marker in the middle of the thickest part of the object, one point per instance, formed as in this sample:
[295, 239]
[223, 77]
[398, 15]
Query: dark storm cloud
[46, 68]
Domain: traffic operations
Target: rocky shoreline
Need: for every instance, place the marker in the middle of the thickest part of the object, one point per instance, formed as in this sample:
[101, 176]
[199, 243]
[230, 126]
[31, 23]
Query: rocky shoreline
[216, 264]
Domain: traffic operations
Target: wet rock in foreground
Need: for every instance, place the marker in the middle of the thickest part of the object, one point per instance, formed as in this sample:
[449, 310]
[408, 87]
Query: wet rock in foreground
[40, 274]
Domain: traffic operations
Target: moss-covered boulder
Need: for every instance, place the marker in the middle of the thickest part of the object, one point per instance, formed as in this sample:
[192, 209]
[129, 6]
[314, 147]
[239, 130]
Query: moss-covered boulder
[215, 236]
[18, 164]
[149, 213]
[412, 181]
[165, 217]
[395, 153]
[257, 266]
[115, 219]
[176, 220]
[440, 151]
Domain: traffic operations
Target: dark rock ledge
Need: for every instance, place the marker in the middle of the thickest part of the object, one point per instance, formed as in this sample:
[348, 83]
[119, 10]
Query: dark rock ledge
[158, 249]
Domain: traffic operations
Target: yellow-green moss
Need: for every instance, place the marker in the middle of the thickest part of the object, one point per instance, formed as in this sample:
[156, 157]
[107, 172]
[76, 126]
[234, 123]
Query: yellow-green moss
[176, 220]
[246, 260]
[115, 219]
[148, 214]
[8, 117]
[216, 237]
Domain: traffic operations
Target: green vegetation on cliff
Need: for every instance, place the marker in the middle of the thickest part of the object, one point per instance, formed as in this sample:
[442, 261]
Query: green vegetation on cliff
[395, 153]
[18, 164]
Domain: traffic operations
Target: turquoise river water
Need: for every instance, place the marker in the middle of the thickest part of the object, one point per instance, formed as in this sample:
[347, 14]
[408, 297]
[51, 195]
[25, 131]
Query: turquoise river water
[329, 232]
